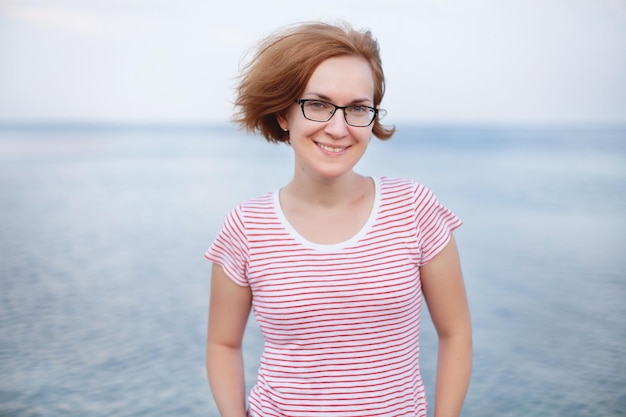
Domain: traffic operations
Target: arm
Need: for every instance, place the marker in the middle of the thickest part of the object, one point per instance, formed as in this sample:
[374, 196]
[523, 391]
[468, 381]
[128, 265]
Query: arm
[444, 292]
[228, 314]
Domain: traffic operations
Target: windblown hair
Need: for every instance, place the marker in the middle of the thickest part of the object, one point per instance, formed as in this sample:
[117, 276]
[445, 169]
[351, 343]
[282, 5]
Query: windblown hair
[282, 66]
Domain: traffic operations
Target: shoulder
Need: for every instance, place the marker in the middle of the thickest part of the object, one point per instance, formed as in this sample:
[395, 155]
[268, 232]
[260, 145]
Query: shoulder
[262, 202]
[253, 210]
[400, 186]
[407, 193]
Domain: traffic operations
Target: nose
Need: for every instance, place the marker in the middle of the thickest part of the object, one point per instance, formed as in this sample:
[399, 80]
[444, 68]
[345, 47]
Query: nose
[337, 126]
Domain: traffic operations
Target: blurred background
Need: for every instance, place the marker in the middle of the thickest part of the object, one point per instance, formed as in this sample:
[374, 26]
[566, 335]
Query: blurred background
[118, 164]
[475, 61]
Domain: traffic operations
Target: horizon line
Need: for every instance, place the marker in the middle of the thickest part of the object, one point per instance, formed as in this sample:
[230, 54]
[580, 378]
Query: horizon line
[119, 125]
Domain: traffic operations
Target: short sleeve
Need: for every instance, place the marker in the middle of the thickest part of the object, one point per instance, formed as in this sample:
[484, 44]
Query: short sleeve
[230, 248]
[435, 223]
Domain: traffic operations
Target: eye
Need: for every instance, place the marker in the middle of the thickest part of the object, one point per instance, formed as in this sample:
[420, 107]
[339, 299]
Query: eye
[317, 105]
[359, 110]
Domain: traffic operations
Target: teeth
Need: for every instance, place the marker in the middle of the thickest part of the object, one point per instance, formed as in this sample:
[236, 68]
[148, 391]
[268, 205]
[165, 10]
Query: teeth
[330, 148]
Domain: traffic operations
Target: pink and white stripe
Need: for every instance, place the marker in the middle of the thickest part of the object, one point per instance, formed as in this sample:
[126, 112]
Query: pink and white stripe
[341, 322]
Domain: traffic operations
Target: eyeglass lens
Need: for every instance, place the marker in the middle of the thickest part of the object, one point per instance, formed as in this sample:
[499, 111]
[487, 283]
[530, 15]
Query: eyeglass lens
[321, 111]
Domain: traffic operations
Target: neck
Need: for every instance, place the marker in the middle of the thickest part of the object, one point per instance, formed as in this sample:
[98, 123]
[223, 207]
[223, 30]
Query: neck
[328, 193]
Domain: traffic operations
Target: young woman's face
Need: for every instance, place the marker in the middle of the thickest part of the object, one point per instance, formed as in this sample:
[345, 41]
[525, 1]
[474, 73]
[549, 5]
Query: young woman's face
[326, 150]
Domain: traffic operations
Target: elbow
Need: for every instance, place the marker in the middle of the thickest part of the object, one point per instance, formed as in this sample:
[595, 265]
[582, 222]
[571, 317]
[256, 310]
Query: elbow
[459, 335]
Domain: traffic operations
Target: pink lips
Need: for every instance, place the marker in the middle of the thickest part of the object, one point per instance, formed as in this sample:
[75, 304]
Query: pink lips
[331, 150]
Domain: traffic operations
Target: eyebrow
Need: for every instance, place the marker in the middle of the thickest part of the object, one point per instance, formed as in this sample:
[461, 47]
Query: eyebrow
[353, 102]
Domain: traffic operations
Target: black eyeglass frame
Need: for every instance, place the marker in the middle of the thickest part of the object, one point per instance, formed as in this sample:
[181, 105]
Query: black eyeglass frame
[303, 101]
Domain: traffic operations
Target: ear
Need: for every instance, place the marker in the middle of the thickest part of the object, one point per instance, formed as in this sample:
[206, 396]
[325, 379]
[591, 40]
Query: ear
[282, 122]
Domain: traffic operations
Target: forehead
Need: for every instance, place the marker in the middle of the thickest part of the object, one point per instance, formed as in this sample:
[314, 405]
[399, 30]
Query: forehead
[346, 78]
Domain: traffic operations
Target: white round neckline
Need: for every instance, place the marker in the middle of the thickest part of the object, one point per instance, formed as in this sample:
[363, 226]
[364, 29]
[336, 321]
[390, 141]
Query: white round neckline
[333, 247]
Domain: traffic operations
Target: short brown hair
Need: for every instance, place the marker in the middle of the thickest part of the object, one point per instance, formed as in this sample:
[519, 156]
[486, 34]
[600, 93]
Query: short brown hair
[283, 64]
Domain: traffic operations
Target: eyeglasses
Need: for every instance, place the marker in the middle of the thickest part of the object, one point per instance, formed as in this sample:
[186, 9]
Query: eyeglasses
[322, 111]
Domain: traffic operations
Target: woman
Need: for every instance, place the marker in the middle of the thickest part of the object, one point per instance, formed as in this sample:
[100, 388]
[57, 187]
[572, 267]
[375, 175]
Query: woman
[334, 264]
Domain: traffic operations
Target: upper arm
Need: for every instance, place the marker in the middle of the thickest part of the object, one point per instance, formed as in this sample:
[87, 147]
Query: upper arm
[229, 308]
[444, 291]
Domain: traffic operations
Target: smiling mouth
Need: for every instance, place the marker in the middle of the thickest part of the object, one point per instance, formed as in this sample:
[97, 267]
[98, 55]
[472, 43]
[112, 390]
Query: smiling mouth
[331, 149]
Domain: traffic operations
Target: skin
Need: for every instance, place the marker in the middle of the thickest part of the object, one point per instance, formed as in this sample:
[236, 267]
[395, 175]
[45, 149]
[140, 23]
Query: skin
[328, 202]
[444, 292]
[229, 308]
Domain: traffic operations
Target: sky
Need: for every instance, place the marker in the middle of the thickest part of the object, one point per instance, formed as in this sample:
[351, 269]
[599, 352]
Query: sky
[446, 61]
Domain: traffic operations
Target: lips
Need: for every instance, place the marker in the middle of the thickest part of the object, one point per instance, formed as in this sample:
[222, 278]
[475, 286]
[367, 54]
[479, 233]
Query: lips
[331, 149]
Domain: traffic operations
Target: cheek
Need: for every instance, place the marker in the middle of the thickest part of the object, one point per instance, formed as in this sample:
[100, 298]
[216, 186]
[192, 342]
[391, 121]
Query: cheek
[364, 136]
[305, 128]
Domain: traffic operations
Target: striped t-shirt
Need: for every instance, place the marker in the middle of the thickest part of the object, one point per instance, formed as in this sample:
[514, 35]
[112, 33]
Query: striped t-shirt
[341, 321]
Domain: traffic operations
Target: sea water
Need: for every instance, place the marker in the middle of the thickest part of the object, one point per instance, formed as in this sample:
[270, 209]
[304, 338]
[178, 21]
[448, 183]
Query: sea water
[104, 288]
